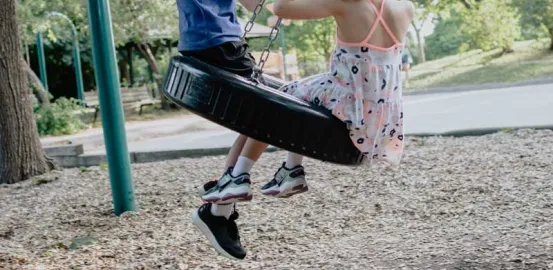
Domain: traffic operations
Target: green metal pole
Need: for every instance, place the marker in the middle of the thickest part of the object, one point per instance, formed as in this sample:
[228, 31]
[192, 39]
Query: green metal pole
[76, 55]
[41, 60]
[113, 120]
[78, 73]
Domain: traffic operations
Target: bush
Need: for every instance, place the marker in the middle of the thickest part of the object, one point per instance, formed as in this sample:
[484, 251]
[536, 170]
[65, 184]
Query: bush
[446, 39]
[59, 118]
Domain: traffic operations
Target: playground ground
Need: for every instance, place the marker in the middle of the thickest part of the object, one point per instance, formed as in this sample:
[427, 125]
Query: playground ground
[455, 203]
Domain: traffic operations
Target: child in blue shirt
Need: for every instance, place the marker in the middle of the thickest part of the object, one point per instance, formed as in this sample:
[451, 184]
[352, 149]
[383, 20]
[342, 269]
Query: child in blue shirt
[210, 32]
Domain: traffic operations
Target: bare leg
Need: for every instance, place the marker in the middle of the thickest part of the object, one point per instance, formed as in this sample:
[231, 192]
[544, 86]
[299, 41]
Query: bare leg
[253, 149]
[235, 151]
[250, 154]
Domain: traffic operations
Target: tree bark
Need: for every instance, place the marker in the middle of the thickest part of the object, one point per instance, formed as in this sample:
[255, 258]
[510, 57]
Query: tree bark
[27, 54]
[466, 3]
[124, 71]
[551, 37]
[36, 85]
[420, 44]
[21, 154]
[144, 49]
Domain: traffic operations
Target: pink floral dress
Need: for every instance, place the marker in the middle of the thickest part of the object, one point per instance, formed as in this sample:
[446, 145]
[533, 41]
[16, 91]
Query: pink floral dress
[363, 89]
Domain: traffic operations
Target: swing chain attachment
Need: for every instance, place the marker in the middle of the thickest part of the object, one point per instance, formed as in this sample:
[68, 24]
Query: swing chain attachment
[258, 70]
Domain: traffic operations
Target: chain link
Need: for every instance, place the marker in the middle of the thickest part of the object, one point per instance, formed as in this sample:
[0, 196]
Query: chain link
[258, 70]
[256, 11]
[265, 54]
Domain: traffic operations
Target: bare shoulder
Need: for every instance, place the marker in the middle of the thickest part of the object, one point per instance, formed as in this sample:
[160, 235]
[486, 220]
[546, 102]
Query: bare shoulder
[409, 7]
[406, 6]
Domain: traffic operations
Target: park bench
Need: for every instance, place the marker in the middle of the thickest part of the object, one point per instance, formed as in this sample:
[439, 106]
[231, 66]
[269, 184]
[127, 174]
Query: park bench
[138, 96]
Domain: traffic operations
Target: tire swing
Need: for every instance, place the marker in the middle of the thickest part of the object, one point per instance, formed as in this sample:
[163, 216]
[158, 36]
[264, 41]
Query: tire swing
[259, 111]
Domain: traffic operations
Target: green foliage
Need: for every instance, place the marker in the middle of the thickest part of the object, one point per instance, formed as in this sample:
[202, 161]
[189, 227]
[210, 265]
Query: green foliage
[61, 117]
[140, 20]
[313, 39]
[446, 39]
[491, 24]
[536, 17]
[103, 166]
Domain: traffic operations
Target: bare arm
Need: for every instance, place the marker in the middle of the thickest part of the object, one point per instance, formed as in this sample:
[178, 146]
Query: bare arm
[249, 4]
[308, 9]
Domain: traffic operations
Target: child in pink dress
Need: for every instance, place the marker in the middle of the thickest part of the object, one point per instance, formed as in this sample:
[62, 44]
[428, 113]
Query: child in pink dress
[363, 88]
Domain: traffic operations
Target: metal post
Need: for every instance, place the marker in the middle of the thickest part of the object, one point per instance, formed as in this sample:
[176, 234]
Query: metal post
[113, 120]
[41, 60]
[76, 55]
[78, 73]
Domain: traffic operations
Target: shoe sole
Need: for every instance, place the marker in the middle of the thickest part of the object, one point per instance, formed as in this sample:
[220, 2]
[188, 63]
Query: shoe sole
[296, 190]
[230, 198]
[200, 224]
[301, 188]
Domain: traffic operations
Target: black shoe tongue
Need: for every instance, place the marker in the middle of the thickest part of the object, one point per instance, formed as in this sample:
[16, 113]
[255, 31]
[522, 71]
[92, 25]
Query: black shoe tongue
[234, 216]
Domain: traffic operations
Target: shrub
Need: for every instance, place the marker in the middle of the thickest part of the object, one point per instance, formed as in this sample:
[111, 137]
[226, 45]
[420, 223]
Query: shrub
[59, 118]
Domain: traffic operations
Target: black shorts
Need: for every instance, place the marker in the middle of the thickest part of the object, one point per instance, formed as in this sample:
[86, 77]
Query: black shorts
[234, 57]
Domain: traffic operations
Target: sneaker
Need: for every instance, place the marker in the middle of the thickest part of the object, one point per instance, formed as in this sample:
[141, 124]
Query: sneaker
[221, 232]
[229, 189]
[286, 182]
[203, 189]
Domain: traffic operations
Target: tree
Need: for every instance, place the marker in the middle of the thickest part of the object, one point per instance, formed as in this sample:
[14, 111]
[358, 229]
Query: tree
[141, 21]
[446, 38]
[314, 39]
[423, 10]
[21, 154]
[33, 16]
[537, 15]
[491, 24]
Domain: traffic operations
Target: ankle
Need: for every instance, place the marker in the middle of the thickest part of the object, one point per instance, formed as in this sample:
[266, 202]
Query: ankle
[222, 210]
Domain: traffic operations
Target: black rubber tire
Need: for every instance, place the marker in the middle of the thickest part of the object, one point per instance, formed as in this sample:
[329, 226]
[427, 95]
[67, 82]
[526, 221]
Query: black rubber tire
[259, 111]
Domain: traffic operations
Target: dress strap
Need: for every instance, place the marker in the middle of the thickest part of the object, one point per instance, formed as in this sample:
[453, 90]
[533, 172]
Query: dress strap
[380, 19]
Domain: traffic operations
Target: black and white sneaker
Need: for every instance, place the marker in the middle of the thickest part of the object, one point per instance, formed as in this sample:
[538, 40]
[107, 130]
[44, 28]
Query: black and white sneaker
[229, 189]
[221, 232]
[205, 187]
[286, 182]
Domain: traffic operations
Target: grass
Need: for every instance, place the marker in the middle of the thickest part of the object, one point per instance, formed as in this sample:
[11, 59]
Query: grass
[530, 60]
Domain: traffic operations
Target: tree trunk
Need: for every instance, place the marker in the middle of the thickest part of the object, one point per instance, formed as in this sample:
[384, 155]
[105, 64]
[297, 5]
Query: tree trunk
[36, 85]
[551, 38]
[124, 71]
[21, 154]
[466, 3]
[144, 49]
[420, 44]
[27, 54]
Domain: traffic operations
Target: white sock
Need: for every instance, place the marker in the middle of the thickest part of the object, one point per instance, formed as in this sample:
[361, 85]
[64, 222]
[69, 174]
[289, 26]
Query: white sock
[293, 160]
[222, 210]
[243, 165]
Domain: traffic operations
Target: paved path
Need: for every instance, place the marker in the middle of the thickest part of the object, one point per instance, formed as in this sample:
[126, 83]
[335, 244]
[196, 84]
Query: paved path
[506, 107]
[429, 113]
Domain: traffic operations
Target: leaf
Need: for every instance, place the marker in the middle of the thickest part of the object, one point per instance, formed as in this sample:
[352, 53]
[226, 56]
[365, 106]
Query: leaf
[77, 242]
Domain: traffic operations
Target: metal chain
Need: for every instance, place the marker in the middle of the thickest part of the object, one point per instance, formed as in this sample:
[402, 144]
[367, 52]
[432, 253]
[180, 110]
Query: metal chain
[272, 37]
[256, 11]
[265, 54]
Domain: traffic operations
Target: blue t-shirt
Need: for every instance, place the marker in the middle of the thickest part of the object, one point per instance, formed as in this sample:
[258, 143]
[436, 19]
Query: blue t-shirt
[207, 23]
